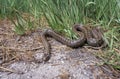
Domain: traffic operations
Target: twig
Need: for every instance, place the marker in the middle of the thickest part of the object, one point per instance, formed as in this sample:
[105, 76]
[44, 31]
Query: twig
[10, 70]
[117, 50]
[20, 49]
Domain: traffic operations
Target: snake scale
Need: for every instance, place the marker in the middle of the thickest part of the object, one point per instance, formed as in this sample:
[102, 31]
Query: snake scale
[93, 38]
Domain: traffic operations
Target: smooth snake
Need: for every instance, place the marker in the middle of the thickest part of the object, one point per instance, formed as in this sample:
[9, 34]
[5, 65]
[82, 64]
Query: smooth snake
[93, 37]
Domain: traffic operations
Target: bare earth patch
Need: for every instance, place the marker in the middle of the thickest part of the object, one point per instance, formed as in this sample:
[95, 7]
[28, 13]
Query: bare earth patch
[19, 56]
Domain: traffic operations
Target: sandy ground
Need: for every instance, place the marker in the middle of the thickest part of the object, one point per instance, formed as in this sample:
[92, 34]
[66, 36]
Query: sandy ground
[18, 55]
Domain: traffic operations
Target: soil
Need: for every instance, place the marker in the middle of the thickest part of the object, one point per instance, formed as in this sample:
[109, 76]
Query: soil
[19, 56]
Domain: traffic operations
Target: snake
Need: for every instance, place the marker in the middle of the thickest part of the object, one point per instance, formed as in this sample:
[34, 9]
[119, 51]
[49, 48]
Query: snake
[92, 37]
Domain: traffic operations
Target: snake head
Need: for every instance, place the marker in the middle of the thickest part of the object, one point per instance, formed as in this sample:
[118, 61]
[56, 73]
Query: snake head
[92, 42]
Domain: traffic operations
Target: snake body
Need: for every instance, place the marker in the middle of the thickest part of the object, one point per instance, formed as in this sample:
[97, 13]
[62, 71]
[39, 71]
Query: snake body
[92, 37]
[71, 43]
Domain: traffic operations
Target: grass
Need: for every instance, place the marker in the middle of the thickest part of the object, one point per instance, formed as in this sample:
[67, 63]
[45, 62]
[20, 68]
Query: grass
[16, 11]
[62, 14]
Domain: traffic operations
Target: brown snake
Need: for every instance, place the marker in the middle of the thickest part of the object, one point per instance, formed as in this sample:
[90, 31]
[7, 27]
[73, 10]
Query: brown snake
[92, 37]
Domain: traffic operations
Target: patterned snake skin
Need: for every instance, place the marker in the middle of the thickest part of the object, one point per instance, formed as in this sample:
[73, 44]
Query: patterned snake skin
[93, 37]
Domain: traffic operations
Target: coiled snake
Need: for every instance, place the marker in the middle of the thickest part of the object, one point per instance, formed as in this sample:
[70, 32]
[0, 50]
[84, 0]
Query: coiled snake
[91, 37]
